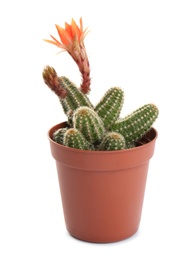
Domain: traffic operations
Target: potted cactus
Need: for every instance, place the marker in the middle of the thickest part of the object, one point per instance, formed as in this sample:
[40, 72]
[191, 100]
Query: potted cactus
[102, 160]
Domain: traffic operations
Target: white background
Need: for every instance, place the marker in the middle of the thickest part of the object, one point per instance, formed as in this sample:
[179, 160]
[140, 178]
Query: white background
[146, 47]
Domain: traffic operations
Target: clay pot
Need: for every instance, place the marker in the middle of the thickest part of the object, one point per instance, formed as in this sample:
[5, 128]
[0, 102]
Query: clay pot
[102, 191]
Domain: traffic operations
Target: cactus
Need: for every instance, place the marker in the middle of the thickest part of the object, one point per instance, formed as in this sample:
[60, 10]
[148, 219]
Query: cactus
[89, 124]
[110, 106]
[75, 98]
[135, 125]
[74, 139]
[112, 141]
[69, 95]
[52, 81]
[58, 135]
[89, 127]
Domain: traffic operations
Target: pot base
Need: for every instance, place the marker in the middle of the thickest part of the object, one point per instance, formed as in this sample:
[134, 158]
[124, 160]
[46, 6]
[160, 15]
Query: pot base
[98, 239]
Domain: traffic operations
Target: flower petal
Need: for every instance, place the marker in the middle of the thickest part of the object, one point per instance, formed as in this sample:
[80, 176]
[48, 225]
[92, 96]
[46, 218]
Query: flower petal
[81, 24]
[75, 30]
[68, 29]
[55, 39]
[64, 36]
[55, 43]
[85, 32]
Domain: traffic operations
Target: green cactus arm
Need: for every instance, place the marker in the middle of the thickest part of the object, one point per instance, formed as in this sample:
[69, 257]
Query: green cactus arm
[73, 138]
[135, 125]
[69, 95]
[75, 98]
[110, 105]
[89, 124]
[112, 141]
[52, 80]
[58, 135]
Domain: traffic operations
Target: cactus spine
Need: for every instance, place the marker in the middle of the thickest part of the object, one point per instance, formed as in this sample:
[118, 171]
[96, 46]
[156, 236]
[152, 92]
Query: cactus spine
[110, 106]
[135, 125]
[89, 124]
[112, 141]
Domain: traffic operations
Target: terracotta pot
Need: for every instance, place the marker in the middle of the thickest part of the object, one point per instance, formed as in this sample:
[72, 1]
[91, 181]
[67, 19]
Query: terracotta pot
[102, 191]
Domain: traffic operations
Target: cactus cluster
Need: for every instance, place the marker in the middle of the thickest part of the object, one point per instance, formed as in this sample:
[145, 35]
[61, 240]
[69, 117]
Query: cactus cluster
[92, 127]
[99, 127]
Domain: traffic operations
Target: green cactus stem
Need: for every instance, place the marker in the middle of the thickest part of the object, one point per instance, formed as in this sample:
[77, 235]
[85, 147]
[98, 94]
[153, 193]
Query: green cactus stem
[75, 97]
[110, 106]
[58, 135]
[112, 141]
[65, 106]
[89, 124]
[74, 139]
[135, 125]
